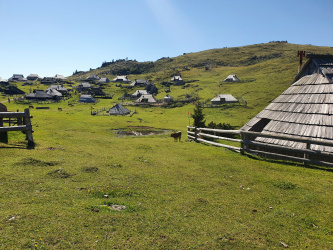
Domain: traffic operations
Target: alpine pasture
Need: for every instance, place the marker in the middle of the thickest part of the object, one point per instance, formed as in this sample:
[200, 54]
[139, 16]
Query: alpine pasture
[84, 186]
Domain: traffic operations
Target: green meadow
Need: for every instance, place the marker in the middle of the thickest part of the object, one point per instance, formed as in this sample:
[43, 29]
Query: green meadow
[86, 185]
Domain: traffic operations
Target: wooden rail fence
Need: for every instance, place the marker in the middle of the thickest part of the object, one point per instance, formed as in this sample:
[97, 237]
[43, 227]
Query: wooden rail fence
[22, 122]
[249, 145]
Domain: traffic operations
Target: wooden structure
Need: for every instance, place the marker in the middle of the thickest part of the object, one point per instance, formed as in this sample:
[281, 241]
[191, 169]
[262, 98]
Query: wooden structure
[223, 99]
[317, 64]
[232, 78]
[177, 80]
[122, 79]
[249, 145]
[119, 109]
[22, 122]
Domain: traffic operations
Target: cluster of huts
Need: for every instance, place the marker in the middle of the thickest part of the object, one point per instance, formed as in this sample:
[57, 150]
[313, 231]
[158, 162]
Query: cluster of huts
[54, 92]
[34, 77]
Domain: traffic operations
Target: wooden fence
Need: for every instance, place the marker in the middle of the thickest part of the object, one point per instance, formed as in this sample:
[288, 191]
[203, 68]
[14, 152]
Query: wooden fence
[248, 144]
[22, 122]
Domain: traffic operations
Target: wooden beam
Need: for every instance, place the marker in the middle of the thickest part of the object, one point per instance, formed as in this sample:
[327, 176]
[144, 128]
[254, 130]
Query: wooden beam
[12, 114]
[16, 128]
[219, 137]
[290, 138]
[220, 145]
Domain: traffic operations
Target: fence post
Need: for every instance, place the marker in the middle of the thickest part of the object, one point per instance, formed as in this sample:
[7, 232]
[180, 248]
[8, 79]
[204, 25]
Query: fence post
[195, 134]
[3, 135]
[243, 138]
[27, 122]
[307, 156]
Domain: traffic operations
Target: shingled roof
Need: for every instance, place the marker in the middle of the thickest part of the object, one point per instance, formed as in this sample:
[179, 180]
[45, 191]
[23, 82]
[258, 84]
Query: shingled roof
[119, 109]
[322, 64]
[305, 109]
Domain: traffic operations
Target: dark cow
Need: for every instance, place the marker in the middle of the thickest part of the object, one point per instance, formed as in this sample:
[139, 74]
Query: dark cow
[59, 109]
[177, 135]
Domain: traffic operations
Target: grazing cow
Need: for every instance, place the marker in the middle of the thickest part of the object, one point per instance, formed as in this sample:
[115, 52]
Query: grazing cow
[31, 107]
[177, 135]
[59, 109]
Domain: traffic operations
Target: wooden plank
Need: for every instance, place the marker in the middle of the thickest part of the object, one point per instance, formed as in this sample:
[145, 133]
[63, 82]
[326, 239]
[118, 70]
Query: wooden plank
[219, 137]
[220, 145]
[27, 121]
[191, 137]
[290, 138]
[12, 114]
[16, 128]
[3, 135]
[191, 133]
[286, 148]
[287, 157]
[221, 130]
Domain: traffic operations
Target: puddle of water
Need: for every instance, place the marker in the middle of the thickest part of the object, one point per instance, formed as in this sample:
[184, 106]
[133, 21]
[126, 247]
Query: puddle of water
[140, 132]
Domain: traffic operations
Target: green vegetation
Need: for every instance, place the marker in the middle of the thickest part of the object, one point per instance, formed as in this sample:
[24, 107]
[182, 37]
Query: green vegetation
[86, 187]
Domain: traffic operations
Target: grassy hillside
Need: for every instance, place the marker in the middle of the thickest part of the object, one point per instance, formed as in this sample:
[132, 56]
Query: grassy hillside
[177, 194]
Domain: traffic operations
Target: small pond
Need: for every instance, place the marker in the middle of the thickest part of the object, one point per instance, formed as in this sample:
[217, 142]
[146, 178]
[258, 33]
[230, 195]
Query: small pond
[140, 131]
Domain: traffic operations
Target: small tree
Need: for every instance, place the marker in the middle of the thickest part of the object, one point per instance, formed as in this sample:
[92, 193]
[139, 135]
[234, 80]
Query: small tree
[198, 116]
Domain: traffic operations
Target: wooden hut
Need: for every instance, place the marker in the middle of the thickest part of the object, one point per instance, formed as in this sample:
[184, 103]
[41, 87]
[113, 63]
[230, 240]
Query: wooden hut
[122, 79]
[32, 77]
[231, 78]
[39, 95]
[177, 80]
[223, 99]
[146, 99]
[139, 82]
[119, 109]
[86, 99]
[139, 93]
[93, 77]
[103, 80]
[303, 110]
[168, 99]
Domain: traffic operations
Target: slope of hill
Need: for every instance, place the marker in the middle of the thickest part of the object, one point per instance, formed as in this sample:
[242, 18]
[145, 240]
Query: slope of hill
[266, 70]
[67, 192]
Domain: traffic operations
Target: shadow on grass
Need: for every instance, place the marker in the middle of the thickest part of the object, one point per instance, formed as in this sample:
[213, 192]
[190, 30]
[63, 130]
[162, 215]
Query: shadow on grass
[288, 163]
[17, 145]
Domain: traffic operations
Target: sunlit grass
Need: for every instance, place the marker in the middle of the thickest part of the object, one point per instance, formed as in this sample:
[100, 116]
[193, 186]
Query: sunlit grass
[177, 194]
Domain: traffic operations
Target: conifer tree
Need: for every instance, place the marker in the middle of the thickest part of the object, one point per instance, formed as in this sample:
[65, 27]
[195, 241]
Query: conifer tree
[198, 116]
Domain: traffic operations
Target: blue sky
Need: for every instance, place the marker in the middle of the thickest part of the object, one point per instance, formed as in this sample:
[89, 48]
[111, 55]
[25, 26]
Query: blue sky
[58, 37]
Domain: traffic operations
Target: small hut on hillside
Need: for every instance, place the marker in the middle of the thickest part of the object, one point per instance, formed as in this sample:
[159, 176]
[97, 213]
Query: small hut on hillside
[39, 95]
[103, 80]
[92, 77]
[231, 78]
[177, 80]
[122, 79]
[223, 99]
[59, 88]
[146, 99]
[139, 82]
[32, 77]
[168, 99]
[139, 93]
[119, 109]
[17, 78]
[83, 86]
[86, 99]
